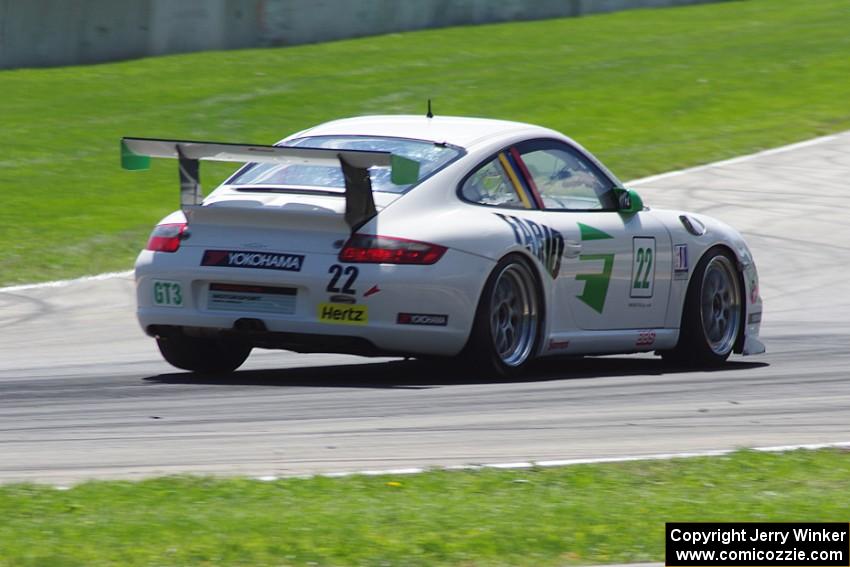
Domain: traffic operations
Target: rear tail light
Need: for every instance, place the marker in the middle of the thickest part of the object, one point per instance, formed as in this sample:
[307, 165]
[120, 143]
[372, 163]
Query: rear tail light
[167, 237]
[367, 248]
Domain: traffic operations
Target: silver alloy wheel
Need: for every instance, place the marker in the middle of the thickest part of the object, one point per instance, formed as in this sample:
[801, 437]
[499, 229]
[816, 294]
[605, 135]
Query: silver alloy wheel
[720, 305]
[514, 314]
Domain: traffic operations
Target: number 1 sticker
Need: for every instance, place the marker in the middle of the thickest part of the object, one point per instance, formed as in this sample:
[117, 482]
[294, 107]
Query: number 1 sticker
[643, 266]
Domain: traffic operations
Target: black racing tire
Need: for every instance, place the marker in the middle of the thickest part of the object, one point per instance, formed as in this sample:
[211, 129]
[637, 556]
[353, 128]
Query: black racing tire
[508, 324]
[201, 354]
[713, 312]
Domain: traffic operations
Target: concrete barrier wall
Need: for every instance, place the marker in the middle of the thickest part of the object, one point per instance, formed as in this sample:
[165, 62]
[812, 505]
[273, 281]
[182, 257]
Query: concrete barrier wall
[38, 33]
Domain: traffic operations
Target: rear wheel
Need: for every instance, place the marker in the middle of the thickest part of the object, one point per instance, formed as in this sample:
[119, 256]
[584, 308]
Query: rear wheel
[509, 319]
[711, 320]
[201, 354]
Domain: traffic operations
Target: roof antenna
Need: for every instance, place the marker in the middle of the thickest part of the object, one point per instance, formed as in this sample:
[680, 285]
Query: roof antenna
[429, 114]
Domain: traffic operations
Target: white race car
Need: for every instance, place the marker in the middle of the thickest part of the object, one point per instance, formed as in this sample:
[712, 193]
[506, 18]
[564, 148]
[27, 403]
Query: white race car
[497, 242]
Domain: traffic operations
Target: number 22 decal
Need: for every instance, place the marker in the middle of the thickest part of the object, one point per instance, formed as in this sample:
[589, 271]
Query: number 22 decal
[337, 272]
[643, 266]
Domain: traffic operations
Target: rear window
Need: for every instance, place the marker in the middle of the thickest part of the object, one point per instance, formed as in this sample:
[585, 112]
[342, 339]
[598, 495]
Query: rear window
[431, 157]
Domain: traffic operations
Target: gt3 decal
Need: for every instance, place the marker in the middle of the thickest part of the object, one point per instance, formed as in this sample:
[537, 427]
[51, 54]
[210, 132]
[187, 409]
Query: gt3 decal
[643, 266]
[350, 315]
[246, 259]
[422, 319]
[167, 293]
[545, 243]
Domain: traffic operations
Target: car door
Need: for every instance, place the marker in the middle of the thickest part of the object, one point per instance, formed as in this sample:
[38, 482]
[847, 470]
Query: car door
[616, 267]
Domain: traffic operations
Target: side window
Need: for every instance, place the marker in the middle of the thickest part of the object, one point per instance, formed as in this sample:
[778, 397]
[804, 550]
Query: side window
[490, 185]
[566, 181]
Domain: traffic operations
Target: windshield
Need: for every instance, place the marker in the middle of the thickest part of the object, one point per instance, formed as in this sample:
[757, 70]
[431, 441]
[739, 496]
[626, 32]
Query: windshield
[431, 157]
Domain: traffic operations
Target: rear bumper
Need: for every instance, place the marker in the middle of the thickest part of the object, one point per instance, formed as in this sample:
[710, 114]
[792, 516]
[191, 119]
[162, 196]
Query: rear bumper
[449, 288]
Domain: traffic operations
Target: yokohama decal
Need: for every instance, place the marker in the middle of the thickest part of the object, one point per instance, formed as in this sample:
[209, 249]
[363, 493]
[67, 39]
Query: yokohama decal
[260, 260]
[546, 243]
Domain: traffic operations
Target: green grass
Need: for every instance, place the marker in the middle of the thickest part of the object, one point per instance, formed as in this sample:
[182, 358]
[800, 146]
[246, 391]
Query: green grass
[575, 515]
[647, 90]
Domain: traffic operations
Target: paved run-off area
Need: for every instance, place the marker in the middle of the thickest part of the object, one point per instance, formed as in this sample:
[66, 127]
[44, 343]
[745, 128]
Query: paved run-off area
[83, 393]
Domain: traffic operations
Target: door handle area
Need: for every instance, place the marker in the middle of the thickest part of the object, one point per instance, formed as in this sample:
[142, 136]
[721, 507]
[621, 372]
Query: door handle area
[572, 249]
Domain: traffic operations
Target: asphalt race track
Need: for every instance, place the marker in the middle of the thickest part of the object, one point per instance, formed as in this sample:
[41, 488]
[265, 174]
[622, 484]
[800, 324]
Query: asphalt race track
[84, 394]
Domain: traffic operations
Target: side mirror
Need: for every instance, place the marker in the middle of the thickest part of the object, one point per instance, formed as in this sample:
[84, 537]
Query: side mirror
[628, 201]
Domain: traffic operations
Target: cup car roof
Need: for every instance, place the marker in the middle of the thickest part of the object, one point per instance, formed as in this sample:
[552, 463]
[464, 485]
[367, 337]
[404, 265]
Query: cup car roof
[459, 131]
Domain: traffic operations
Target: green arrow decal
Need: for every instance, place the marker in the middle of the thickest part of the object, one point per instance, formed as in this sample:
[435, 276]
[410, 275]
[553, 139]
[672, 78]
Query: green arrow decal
[596, 285]
[590, 233]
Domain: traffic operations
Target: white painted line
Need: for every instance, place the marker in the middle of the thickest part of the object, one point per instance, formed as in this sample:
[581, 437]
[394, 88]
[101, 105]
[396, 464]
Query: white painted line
[590, 461]
[811, 447]
[510, 466]
[732, 161]
[66, 283]
[409, 470]
[630, 458]
[553, 463]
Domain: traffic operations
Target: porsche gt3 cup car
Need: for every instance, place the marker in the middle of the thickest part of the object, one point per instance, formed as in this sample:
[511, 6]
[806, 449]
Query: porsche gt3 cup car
[497, 242]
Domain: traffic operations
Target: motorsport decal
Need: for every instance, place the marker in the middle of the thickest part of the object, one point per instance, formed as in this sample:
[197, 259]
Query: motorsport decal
[643, 266]
[596, 284]
[249, 259]
[342, 299]
[545, 243]
[339, 315]
[645, 338]
[422, 319]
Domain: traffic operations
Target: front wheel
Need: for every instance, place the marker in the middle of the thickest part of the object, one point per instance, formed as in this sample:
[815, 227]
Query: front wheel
[711, 319]
[508, 320]
[201, 354]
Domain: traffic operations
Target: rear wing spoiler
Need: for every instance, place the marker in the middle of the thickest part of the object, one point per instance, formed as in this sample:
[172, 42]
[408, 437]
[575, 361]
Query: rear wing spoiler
[359, 202]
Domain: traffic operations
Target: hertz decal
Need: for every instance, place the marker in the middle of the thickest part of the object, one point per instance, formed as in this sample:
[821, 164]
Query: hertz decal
[340, 314]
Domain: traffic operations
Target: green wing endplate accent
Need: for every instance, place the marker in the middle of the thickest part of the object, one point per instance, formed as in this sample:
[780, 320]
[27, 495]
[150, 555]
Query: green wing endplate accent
[136, 154]
[133, 161]
[404, 171]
